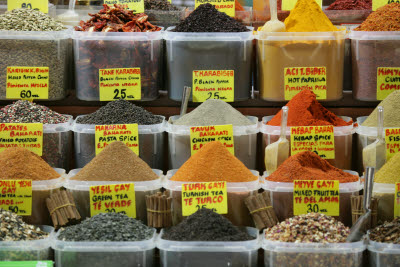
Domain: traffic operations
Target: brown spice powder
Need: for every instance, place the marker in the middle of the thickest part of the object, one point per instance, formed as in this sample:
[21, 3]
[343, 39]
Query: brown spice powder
[116, 162]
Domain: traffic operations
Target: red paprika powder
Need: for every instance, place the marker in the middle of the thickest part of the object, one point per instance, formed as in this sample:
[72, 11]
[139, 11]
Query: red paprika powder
[305, 110]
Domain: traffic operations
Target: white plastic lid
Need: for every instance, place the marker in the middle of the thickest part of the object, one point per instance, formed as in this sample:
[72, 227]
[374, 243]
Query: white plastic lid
[368, 131]
[302, 36]
[384, 248]
[36, 35]
[378, 35]
[118, 36]
[169, 35]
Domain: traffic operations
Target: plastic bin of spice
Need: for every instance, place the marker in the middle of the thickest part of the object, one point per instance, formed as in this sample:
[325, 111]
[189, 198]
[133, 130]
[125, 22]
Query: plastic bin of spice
[282, 198]
[385, 193]
[163, 18]
[28, 250]
[151, 143]
[383, 254]
[245, 142]
[312, 254]
[190, 51]
[209, 253]
[343, 141]
[279, 50]
[370, 51]
[238, 213]
[106, 50]
[104, 254]
[36, 49]
[80, 191]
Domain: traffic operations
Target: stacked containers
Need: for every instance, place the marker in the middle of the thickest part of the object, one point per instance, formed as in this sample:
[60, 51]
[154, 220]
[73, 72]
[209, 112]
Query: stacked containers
[383, 254]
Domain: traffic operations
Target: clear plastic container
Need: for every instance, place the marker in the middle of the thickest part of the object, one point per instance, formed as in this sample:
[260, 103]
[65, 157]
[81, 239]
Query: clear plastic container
[383, 254]
[385, 193]
[81, 192]
[107, 50]
[104, 254]
[151, 143]
[282, 198]
[243, 16]
[285, 254]
[186, 52]
[209, 253]
[245, 143]
[238, 213]
[338, 17]
[165, 18]
[30, 250]
[343, 141]
[36, 49]
[371, 50]
[279, 50]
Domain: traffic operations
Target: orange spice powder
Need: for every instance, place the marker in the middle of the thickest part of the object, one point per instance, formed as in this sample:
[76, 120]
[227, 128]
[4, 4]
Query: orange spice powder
[213, 162]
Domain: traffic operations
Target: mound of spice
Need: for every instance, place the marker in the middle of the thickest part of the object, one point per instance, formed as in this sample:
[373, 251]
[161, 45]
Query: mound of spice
[206, 18]
[351, 5]
[24, 111]
[305, 110]
[14, 229]
[213, 162]
[214, 112]
[120, 112]
[117, 19]
[24, 19]
[385, 18]
[309, 228]
[20, 163]
[389, 173]
[206, 225]
[309, 166]
[107, 227]
[164, 5]
[116, 162]
[387, 232]
[391, 114]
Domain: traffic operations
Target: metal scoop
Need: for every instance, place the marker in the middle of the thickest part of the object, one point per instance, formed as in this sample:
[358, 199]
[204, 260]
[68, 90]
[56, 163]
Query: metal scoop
[185, 99]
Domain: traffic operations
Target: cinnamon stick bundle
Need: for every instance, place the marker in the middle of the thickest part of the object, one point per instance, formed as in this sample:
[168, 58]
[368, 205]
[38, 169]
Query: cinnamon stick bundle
[159, 210]
[357, 209]
[61, 206]
[261, 210]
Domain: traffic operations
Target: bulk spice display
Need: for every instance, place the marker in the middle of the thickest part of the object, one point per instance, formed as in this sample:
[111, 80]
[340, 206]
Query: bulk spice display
[62, 209]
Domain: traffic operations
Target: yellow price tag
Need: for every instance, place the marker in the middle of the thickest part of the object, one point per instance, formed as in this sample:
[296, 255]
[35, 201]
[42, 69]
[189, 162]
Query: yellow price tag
[212, 195]
[213, 84]
[26, 135]
[380, 3]
[137, 6]
[16, 196]
[226, 6]
[118, 198]
[299, 78]
[392, 140]
[201, 135]
[27, 83]
[119, 83]
[388, 81]
[316, 196]
[288, 5]
[41, 5]
[318, 139]
[127, 133]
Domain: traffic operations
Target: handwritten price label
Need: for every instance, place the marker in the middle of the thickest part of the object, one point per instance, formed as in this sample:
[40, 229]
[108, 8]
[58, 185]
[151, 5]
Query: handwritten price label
[299, 78]
[201, 135]
[318, 139]
[26, 135]
[388, 81]
[226, 6]
[288, 5]
[118, 198]
[41, 5]
[127, 133]
[392, 140]
[123, 83]
[213, 84]
[211, 195]
[27, 83]
[137, 6]
[316, 196]
[16, 196]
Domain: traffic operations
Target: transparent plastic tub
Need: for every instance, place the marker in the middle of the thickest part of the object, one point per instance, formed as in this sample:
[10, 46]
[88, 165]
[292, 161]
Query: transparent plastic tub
[36, 49]
[107, 50]
[151, 143]
[104, 254]
[165, 18]
[81, 192]
[338, 17]
[385, 193]
[343, 137]
[30, 250]
[383, 254]
[371, 50]
[209, 253]
[279, 50]
[282, 198]
[245, 142]
[243, 16]
[238, 213]
[186, 52]
[285, 254]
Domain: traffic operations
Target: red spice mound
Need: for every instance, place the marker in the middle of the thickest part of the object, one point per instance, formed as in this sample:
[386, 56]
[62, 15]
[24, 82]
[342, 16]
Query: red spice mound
[305, 110]
[386, 18]
[309, 166]
[351, 5]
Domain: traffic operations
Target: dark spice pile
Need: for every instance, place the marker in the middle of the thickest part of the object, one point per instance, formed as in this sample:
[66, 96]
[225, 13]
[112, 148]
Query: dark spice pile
[351, 5]
[386, 18]
[117, 19]
[206, 225]
[163, 5]
[107, 227]
[206, 18]
[389, 232]
[120, 112]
